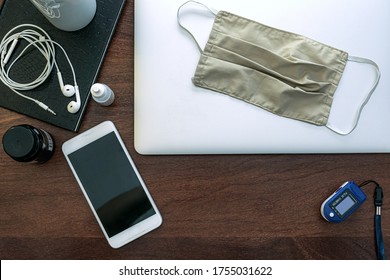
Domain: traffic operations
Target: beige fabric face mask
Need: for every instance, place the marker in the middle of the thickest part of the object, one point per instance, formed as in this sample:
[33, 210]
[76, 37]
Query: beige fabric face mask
[282, 72]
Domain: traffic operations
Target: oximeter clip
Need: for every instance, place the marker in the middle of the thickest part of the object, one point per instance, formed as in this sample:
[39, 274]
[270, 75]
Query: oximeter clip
[346, 200]
[343, 202]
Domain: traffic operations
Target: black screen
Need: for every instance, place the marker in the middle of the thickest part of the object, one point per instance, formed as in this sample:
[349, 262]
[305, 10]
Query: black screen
[111, 184]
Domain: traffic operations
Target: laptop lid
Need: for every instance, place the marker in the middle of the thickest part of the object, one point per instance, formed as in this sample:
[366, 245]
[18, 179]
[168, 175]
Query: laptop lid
[172, 116]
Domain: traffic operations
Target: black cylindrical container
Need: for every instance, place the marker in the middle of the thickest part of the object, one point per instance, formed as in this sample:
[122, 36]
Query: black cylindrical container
[26, 143]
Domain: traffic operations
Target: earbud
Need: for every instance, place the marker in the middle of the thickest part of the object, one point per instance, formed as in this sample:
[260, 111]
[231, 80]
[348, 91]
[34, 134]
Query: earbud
[74, 106]
[67, 90]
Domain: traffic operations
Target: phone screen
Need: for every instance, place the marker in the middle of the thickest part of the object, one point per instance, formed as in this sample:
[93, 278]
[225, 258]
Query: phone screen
[111, 184]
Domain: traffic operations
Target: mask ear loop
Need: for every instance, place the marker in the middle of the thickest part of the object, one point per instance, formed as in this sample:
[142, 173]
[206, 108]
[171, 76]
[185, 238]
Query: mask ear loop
[377, 78]
[213, 11]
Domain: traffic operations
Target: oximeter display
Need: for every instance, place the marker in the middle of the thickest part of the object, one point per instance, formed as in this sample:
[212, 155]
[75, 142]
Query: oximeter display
[344, 205]
[342, 202]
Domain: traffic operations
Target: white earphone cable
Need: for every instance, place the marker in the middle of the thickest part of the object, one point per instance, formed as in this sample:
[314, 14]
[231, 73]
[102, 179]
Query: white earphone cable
[38, 38]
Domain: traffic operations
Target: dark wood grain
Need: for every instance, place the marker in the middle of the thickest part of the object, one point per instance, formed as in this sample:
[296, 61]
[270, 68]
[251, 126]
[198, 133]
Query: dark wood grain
[214, 207]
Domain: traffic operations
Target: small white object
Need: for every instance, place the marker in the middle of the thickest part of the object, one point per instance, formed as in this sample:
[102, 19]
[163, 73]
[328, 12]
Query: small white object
[11, 49]
[102, 94]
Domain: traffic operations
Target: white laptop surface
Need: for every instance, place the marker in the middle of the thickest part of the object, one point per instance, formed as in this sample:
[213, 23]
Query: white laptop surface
[172, 116]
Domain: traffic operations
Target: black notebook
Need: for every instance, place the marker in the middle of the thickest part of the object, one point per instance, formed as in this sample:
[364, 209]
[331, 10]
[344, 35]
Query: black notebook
[86, 49]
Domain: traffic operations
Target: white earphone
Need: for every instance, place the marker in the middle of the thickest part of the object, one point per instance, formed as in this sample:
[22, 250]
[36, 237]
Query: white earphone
[74, 106]
[68, 91]
[46, 46]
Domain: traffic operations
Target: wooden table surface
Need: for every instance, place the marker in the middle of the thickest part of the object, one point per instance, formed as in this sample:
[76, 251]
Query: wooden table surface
[213, 206]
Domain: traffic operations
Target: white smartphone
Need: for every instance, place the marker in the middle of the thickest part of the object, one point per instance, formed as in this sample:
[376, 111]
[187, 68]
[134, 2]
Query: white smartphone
[111, 184]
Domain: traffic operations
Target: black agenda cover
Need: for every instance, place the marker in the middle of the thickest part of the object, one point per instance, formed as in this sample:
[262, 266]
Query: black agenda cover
[86, 49]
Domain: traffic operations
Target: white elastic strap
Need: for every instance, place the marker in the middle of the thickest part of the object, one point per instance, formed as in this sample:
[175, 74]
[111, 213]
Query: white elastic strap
[357, 116]
[213, 11]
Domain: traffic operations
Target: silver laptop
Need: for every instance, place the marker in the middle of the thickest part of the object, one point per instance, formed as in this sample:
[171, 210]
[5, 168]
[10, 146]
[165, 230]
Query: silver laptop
[172, 116]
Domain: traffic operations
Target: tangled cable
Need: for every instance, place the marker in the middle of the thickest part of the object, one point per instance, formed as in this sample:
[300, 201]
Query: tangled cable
[37, 38]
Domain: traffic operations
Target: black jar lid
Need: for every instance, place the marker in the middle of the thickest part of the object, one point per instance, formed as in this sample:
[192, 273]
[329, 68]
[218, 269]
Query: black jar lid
[21, 143]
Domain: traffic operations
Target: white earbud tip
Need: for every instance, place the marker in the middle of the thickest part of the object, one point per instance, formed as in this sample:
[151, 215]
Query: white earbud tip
[68, 90]
[73, 107]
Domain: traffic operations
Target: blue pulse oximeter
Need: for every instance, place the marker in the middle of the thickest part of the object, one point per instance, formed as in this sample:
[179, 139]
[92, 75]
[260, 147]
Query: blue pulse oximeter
[342, 202]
